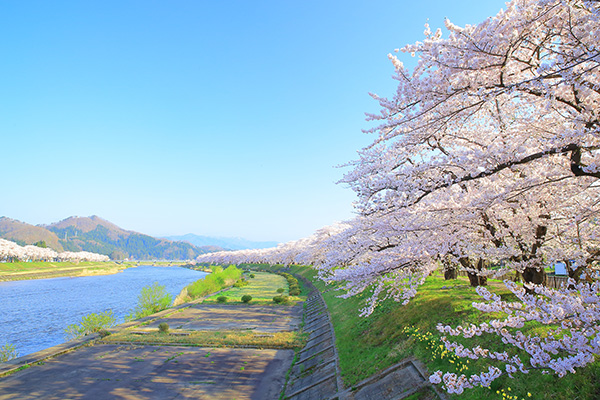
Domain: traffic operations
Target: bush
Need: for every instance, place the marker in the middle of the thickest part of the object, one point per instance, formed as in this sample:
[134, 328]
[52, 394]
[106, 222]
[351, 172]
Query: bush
[246, 298]
[240, 283]
[294, 285]
[214, 282]
[163, 327]
[280, 290]
[8, 352]
[281, 299]
[152, 299]
[91, 323]
[221, 299]
[251, 275]
[104, 333]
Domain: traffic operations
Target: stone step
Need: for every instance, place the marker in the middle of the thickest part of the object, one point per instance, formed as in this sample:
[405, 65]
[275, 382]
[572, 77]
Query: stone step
[324, 389]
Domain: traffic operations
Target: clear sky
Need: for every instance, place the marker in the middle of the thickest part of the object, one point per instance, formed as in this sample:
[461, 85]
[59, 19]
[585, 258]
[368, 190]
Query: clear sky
[211, 117]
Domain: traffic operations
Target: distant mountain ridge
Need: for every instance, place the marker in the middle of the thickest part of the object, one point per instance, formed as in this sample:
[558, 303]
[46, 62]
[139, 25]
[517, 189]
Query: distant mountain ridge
[24, 234]
[224, 242]
[98, 235]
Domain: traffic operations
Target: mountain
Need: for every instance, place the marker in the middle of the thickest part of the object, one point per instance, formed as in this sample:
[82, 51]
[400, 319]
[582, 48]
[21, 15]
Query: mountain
[98, 235]
[224, 242]
[101, 236]
[23, 234]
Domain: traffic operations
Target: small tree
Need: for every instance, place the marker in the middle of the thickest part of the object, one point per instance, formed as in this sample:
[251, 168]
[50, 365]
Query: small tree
[8, 352]
[152, 299]
[91, 323]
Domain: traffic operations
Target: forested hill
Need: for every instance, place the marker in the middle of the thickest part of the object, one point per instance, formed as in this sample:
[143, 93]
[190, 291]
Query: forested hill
[97, 235]
[24, 234]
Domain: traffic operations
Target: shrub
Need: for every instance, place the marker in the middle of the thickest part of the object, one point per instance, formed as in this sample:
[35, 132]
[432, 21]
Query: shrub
[163, 327]
[280, 290]
[222, 299]
[240, 283]
[91, 323]
[8, 352]
[214, 282]
[246, 298]
[251, 275]
[104, 333]
[152, 299]
[281, 299]
[294, 292]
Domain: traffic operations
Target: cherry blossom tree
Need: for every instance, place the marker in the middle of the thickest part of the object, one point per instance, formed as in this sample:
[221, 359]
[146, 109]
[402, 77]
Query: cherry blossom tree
[487, 157]
[10, 251]
[489, 118]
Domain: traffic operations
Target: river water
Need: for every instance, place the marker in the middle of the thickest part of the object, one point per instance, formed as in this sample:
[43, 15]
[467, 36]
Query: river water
[35, 313]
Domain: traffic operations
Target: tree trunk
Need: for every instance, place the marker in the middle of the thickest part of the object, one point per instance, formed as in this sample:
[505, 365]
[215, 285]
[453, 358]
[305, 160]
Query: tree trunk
[474, 279]
[450, 273]
[533, 275]
[450, 270]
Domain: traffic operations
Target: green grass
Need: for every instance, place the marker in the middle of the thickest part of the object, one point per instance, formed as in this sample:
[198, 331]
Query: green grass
[44, 269]
[263, 287]
[236, 338]
[38, 266]
[215, 281]
[367, 345]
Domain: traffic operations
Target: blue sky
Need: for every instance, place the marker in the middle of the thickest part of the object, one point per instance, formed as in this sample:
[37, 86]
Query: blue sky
[221, 118]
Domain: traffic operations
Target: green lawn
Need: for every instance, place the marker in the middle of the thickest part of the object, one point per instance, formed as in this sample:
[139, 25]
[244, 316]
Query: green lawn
[393, 332]
[15, 268]
[263, 287]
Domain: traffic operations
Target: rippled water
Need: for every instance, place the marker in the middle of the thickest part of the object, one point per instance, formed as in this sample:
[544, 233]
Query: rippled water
[35, 313]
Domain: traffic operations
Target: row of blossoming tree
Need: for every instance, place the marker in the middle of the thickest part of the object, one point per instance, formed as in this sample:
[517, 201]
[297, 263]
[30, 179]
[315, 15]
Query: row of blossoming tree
[486, 159]
[10, 251]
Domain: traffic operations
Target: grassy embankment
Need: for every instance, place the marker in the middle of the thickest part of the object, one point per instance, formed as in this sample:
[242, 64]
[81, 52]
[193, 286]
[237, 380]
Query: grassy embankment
[367, 345]
[218, 279]
[263, 287]
[12, 271]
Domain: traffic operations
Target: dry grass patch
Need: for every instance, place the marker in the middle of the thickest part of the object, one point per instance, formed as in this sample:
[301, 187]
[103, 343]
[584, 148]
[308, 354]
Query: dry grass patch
[230, 338]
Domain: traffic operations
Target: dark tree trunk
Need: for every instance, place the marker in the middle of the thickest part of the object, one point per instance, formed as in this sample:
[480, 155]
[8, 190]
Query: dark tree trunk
[533, 275]
[450, 273]
[450, 270]
[574, 272]
[474, 279]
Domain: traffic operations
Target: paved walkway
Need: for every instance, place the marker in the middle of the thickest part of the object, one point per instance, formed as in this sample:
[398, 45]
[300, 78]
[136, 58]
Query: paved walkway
[153, 372]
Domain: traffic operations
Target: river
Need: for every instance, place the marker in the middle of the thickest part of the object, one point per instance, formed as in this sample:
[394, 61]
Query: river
[35, 313]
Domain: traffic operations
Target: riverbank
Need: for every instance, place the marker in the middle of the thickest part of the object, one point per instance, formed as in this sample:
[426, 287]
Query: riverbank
[17, 271]
[204, 349]
[191, 360]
